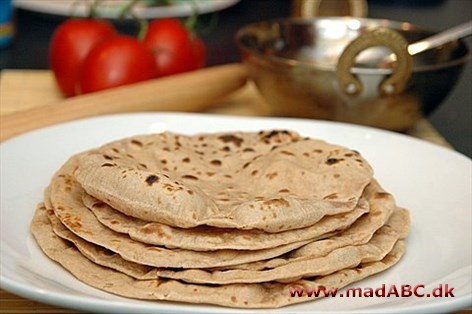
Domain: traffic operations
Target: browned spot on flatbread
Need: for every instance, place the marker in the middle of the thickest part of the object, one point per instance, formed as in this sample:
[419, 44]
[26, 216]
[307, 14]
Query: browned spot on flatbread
[156, 229]
[229, 138]
[177, 141]
[271, 175]
[137, 143]
[276, 202]
[332, 161]
[287, 153]
[171, 188]
[189, 177]
[216, 162]
[73, 223]
[151, 179]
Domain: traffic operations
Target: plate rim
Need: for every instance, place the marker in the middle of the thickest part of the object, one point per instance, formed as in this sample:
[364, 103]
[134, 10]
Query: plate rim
[365, 128]
[13, 287]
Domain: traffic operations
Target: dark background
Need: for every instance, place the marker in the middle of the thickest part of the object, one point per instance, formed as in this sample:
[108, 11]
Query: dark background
[453, 119]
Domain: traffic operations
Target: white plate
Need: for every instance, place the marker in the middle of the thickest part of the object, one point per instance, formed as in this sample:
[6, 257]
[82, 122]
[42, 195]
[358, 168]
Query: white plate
[433, 182]
[81, 8]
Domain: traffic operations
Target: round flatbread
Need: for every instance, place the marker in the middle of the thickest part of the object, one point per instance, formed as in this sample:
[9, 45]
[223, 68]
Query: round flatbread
[64, 197]
[271, 181]
[267, 295]
[295, 268]
[205, 238]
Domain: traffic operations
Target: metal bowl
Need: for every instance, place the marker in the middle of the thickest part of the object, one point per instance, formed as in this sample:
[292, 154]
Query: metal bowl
[308, 67]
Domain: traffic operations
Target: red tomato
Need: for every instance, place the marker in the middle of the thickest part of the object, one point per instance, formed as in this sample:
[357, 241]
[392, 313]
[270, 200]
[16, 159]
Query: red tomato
[199, 53]
[118, 61]
[70, 44]
[174, 48]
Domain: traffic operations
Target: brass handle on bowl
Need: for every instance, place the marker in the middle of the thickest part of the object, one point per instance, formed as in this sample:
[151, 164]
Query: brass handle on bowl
[381, 36]
[312, 8]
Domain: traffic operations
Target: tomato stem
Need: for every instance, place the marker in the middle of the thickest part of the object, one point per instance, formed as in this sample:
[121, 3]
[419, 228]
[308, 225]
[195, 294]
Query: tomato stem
[142, 23]
[94, 13]
[143, 27]
[191, 21]
[126, 9]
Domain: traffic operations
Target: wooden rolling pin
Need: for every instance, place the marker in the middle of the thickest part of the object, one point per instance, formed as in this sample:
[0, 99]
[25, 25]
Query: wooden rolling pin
[191, 91]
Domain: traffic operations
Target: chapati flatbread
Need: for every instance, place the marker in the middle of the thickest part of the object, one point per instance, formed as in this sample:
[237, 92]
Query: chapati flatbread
[205, 238]
[64, 197]
[382, 205]
[268, 295]
[272, 181]
[346, 257]
[235, 218]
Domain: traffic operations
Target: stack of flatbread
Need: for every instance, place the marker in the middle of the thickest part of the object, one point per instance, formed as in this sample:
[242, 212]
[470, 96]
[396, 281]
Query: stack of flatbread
[235, 219]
